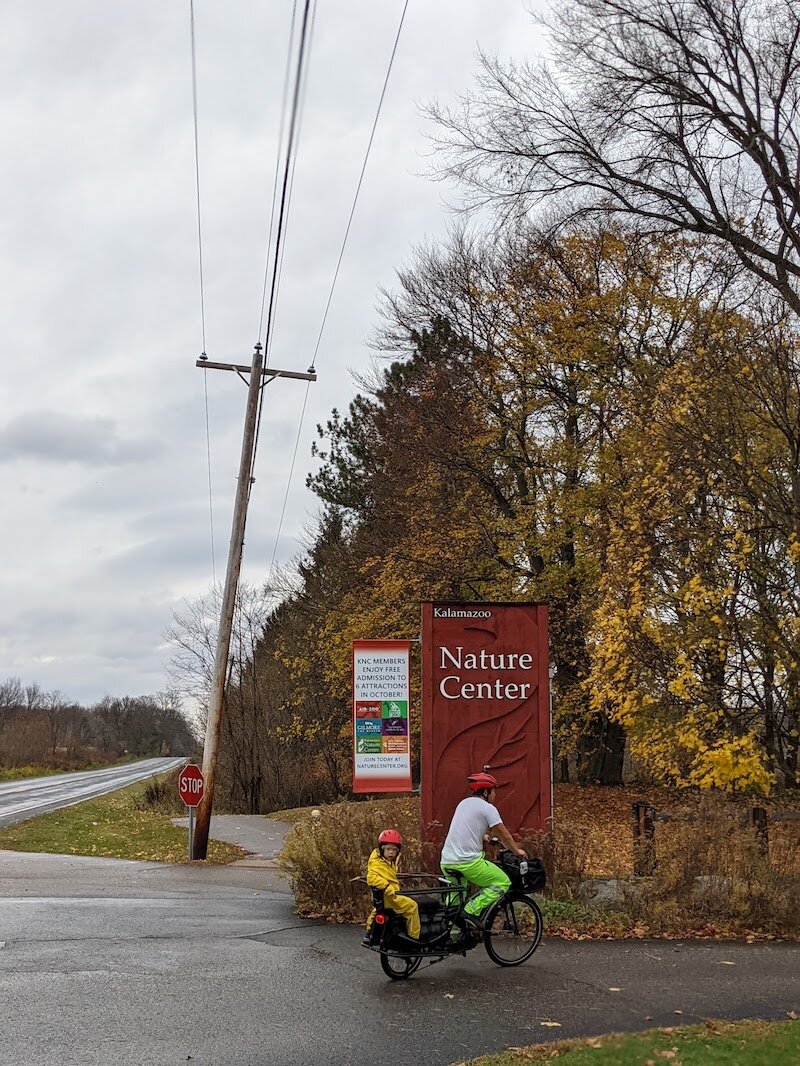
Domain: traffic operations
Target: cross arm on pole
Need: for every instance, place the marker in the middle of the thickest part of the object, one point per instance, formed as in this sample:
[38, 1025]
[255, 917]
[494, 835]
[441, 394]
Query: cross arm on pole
[267, 372]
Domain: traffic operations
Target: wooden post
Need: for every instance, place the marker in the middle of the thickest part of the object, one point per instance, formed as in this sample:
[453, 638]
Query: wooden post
[758, 820]
[219, 675]
[644, 832]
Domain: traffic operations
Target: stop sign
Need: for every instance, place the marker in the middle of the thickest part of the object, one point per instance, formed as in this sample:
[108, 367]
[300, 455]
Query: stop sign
[191, 784]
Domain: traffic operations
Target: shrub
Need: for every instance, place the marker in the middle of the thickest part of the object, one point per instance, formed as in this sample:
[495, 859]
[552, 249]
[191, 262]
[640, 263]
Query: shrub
[323, 854]
[161, 794]
[710, 874]
[712, 871]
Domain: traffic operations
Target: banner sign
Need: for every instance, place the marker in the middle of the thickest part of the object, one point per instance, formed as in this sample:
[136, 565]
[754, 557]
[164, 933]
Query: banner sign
[381, 731]
[486, 701]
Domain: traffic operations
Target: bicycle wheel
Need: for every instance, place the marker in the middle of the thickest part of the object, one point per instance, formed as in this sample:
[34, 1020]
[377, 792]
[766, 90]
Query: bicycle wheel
[513, 929]
[399, 967]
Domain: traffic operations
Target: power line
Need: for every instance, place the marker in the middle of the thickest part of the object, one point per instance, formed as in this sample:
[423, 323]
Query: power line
[287, 166]
[210, 494]
[288, 482]
[197, 175]
[336, 275]
[284, 96]
[360, 180]
[202, 286]
[306, 30]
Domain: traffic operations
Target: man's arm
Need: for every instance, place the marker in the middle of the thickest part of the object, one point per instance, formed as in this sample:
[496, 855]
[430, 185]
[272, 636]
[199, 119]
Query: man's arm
[506, 838]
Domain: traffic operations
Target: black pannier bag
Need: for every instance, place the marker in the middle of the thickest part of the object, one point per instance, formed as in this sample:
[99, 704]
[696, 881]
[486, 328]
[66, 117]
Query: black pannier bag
[527, 875]
[432, 916]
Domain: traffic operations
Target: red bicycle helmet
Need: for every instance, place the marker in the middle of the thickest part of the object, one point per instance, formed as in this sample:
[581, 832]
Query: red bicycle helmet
[481, 781]
[390, 836]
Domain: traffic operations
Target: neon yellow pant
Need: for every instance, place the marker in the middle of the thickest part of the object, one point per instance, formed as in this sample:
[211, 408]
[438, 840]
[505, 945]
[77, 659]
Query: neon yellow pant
[486, 875]
[405, 907]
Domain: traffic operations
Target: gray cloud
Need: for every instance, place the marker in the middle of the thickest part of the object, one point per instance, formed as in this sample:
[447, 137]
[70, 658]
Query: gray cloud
[57, 437]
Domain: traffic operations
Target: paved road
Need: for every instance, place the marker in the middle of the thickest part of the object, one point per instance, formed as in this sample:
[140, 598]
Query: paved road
[142, 964]
[36, 795]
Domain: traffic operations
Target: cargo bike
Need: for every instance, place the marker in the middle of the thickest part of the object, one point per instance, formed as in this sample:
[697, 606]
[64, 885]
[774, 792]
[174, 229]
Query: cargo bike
[511, 928]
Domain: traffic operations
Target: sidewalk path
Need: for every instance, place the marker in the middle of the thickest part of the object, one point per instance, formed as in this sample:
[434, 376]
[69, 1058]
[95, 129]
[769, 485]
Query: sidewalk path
[262, 837]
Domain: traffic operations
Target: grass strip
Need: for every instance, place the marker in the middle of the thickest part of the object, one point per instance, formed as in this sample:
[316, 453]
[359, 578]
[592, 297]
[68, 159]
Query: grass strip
[292, 814]
[21, 773]
[717, 1043]
[110, 826]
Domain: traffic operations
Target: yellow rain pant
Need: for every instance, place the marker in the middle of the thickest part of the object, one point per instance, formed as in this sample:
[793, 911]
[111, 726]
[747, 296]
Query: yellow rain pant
[405, 907]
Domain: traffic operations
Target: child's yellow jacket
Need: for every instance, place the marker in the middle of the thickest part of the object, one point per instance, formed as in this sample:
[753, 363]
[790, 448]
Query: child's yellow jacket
[382, 874]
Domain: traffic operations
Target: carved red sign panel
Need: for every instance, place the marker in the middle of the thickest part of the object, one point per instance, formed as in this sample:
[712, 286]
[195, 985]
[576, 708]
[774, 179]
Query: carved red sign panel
[485, 701]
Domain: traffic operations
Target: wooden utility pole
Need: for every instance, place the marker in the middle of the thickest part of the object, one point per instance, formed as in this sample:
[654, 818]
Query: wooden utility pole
[219, 676]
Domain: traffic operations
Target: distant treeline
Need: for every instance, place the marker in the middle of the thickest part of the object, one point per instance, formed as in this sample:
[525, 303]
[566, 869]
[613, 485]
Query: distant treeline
[46, 729]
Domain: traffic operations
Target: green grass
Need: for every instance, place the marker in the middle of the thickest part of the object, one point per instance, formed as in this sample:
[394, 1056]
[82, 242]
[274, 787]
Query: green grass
[20, 773]
[713, 1044]
[112, 827]
[292, 814]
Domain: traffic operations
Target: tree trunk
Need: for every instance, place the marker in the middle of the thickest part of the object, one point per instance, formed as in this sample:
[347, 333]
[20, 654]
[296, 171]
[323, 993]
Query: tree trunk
[601, 752]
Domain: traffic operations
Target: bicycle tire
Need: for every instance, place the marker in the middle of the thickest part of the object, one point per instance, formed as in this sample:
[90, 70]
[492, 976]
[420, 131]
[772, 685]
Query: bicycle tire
[513, 930]
[399, 967]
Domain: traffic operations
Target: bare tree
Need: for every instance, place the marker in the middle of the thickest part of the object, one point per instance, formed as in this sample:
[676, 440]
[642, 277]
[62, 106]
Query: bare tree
[11, 694]
[193, 635]
[680, 113]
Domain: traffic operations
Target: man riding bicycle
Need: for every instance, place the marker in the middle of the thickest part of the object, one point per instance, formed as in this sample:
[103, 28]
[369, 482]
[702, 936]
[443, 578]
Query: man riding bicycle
[476, 819]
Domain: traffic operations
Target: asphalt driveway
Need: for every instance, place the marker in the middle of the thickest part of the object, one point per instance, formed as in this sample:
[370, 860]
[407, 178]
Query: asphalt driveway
[143, 963]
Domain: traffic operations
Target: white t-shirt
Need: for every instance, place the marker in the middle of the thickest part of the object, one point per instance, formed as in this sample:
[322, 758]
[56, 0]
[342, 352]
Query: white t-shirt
[472, 817]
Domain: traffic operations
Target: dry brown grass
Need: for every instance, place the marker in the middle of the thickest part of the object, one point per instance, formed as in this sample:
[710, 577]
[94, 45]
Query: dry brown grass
[710, 878]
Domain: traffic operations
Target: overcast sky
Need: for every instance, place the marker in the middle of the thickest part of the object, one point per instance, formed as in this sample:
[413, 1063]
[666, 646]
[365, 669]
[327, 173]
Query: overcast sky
[105, 519]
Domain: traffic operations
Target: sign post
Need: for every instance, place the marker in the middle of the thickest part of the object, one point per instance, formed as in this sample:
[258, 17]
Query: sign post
[381, 724]
[191, 785]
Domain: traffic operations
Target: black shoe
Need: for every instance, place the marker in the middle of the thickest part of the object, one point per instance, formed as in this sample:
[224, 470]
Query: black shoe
[366, 941]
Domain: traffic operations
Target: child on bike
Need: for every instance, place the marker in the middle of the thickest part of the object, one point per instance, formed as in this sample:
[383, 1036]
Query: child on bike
[382, 874]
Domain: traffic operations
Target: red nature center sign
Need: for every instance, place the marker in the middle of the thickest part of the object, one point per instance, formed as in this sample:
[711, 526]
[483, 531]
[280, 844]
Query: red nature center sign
[191, 785]
[485, 701]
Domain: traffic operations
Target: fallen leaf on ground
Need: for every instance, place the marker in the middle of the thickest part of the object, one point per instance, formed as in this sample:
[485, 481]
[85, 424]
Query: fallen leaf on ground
[677, 1012]
[449, 995]
[551, 1025]
[789, 1014]
[614, 989]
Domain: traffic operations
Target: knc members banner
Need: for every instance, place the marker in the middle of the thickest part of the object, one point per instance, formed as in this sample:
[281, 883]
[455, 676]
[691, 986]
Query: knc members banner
[381, 732]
